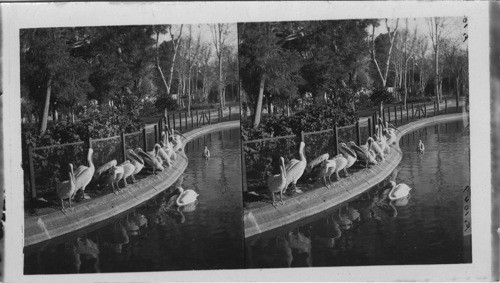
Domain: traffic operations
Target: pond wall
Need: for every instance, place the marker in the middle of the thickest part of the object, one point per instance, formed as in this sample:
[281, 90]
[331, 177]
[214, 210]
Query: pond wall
[38, 229]
[269, 217]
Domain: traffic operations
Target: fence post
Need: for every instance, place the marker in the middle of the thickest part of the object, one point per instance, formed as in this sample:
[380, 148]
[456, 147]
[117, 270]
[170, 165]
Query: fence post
[165, 116]
[219, 110]
[159, 129]
[336, 138]
[369, 127]
[383, 115]
[419, 109]
[229, 118]
[435, 107]
[413, 111]
[425, 108]
[32, 172]
[209, 116]
[197, 119]
[124, 153]
[156, 133]
[186, 120]
[395, 115]
[457, 105]
[144, 138]
[358, 133]
[180, 121]
[401, 112]
[407, 112]
[302, 136]
[389, 114]
[445, 106]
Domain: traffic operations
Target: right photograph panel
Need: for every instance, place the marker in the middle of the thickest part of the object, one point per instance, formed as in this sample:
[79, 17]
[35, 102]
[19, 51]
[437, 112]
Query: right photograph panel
[355, 142]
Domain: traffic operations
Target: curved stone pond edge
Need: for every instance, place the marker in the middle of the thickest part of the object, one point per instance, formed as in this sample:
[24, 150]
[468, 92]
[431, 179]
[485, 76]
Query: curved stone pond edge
[38, 229]
[299, 207]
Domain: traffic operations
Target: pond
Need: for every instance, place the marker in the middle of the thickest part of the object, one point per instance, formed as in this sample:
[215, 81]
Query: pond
[156, 236]
[426, 227]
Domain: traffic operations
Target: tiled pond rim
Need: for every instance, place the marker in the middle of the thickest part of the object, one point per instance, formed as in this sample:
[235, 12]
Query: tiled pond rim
[298, 207]
[42, 228]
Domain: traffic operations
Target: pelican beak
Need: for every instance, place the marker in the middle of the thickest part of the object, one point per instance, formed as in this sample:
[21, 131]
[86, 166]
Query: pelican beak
[348, 150]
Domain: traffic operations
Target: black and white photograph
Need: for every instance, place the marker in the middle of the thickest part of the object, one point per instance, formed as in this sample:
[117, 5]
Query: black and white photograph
[131, 148]
[357, 142]
[248, 141]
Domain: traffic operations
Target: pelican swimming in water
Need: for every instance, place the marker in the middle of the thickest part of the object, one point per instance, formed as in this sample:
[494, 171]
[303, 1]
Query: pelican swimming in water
[185, 196]
[295, 168]
[420, 147]
[137, 161]
[277, 183]
[398, 191]
[84, 174]
[349, 154]
[363, 154]
[206, 153]
[66, 189]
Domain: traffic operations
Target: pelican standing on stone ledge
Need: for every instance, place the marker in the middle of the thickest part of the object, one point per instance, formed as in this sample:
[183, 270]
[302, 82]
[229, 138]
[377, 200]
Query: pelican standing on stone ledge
[295, 168]
[277, 183]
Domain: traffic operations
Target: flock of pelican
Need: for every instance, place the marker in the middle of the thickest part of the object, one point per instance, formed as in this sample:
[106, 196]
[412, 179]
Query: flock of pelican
[323, 167]
[112, 172]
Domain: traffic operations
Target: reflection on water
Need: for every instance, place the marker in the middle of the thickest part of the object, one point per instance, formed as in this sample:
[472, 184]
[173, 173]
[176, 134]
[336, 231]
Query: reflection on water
[423, 227]
[159, 235]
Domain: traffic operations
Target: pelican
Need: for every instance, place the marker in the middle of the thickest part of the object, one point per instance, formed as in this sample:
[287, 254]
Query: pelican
[128, 170]
[277, 183]
[382, 143]
[295, 168]
[315, 162]
[66, 189]
[163, 155]
[327, 168]
[363, 154]
[177, 142]
[206, 153]
[150, 159]
[137, 161]
[167, 146]
[104, 168]
[398, 191]
[117, 173]
[84, 174]
[376, 148]
[421, 146]
[349, 154]
[185, 196]
[340, 163]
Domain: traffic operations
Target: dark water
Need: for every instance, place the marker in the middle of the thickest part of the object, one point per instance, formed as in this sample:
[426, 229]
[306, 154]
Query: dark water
[156, 236]
[424, 228]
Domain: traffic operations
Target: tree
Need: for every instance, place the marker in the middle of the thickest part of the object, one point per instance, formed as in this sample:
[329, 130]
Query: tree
[220, 34]
[408, 49]
[456, 61]
[392, 36]
[435, 26]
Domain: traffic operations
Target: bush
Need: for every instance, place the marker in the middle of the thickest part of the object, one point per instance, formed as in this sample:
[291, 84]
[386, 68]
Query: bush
[382, 95]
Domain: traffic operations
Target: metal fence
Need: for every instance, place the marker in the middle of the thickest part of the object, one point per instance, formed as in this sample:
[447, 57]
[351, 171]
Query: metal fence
[48, 165]
[258, 154]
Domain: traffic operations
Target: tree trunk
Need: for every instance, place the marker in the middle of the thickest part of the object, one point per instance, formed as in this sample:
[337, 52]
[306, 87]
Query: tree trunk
[43, 126]
[258, 108]
[405, 89]
[436, 74]
[189, 90]
[220, 82]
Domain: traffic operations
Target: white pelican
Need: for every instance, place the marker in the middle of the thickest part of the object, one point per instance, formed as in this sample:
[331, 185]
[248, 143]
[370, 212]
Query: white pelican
[376, 148]
[315, 162]
[398, 191]
[128, 170]
[163, 155]
[277, 183]
[105, 167]
[137, 161]
[117, 173]
[167, 146]
[421, 146]
[340, 163]
[186, 196]
[327, 168]
[206, 153]
[66, 189]
[84, 174]
[363, 154]
[150, 159]
[382, 143]
[295, 168]
[349, 154]
[177, 142]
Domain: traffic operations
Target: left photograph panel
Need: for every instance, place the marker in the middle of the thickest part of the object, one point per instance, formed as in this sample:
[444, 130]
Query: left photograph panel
[131, 148]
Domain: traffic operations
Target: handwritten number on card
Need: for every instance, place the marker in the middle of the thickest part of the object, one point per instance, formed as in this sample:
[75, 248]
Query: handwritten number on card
[466, 210]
